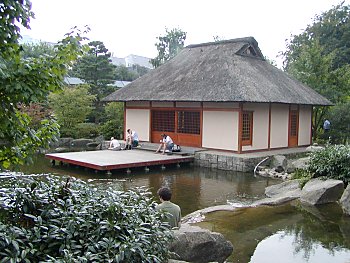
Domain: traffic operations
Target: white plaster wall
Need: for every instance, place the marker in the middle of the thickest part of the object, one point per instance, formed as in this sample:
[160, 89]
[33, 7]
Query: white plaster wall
[188, 104]
[218, 105]
[220, 130]
[279, 125]
[260, 126]
[138, 120]
[304, 125]
[137, 104]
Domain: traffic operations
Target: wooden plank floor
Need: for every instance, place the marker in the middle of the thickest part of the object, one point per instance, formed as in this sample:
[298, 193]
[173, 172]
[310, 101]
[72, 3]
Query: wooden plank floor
[106, 160]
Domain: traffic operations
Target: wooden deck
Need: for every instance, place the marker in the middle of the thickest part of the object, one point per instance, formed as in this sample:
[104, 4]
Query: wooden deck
[107, 160]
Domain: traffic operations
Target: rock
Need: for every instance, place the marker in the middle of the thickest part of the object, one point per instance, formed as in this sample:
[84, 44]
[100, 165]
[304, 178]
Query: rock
[345, 200]
[301, 163]
[66, 142]
[317, 191]
[279, 160]
[314, 148]
[279, 169]
[194, 244]
[275, 200]
[280, 193]
[92, 145]
[80, 143]
[285, 188]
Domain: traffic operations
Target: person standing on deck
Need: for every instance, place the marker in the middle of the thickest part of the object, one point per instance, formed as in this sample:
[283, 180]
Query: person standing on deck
[173, 210]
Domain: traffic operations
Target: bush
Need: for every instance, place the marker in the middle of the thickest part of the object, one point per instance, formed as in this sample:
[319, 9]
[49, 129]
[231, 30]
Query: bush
[87, 130]
[49, 220]
[331, 162]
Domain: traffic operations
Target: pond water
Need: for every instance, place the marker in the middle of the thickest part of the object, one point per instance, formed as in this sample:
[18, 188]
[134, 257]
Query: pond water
[287, 233]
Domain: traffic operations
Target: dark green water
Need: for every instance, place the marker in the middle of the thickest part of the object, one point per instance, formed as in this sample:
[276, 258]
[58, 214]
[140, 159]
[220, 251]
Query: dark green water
[288, 233]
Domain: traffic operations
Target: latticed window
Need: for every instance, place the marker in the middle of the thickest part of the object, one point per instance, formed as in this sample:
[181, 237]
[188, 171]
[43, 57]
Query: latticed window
[188, 122]
[163, 121]
[293, 123]
[247, 127]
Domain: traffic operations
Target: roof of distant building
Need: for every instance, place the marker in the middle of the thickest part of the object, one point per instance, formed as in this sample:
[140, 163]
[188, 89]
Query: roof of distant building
[73, 81]
[131, 59]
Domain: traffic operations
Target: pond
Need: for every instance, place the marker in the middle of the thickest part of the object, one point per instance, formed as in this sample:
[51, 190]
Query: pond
[287, 233]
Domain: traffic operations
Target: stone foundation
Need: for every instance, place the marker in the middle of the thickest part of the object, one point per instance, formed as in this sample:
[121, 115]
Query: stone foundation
[226, 162]
[238, 162]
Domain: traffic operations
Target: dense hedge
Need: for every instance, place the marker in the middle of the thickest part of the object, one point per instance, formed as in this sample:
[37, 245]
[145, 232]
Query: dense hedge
[331, 162]
[46, 219]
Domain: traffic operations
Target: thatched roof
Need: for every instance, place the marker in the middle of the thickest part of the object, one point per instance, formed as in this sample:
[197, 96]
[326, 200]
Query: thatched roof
[226, 71]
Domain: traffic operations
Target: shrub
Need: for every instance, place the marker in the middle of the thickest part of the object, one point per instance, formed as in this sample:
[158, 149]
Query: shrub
[331, 162]
[86, 130]
[49, 220]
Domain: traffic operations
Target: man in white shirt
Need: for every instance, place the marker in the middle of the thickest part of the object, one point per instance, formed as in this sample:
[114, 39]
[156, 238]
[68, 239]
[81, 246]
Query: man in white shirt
[165, 144]
[114, 145]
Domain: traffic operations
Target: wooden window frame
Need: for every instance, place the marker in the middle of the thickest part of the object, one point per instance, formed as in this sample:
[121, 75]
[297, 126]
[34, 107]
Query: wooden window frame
[249, 140]
[160, 124]
[190, 120]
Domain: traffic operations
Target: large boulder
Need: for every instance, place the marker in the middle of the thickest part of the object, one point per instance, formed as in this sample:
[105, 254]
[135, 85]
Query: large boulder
[317, 191]
[279, 161]
[287, 188]
[345, 200]
[194, 244]
[80, 143]
[280, 193]
[301, 163]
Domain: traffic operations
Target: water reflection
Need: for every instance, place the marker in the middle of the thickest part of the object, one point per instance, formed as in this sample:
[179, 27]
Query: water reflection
[193, 188]
[290, 232]
[305, 232]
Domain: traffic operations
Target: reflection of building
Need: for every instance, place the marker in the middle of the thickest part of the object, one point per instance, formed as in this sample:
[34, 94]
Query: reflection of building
[221, 95]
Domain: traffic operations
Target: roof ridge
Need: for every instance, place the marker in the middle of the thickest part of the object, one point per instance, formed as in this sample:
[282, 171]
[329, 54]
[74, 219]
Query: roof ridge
[250, 40]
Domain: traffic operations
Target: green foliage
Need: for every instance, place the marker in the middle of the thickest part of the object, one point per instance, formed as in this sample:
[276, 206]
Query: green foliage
[303, 175]
[114, 122]
[25, 80]
[319, 57]
[86, 130]
[71, 106]
[169, 46]
[37, 50]
[340, 131]
[123, 73]
[49, 220]
[96, 69]
[331, 162]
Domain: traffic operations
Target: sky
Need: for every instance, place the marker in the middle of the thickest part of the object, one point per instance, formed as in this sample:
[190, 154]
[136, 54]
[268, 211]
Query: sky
[132, 26]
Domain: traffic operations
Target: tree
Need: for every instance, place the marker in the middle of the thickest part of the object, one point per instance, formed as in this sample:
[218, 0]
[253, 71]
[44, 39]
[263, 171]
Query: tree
[123, 73]
[37, 50]
[114, 120]
[71, 107]
[28, 80]
[96, 69]
[319, 57]
[169, 46]
[340, 126]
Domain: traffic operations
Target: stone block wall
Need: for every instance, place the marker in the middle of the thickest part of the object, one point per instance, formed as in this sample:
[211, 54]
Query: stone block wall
[225, 162]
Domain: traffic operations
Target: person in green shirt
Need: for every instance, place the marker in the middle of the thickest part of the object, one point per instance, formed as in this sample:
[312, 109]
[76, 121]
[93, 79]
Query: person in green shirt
[173, 210]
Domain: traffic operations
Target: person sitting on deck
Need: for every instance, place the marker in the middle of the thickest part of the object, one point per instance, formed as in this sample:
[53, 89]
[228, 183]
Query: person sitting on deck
[165, 144]
[173, 210]
[114, 145]
[132, 139]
